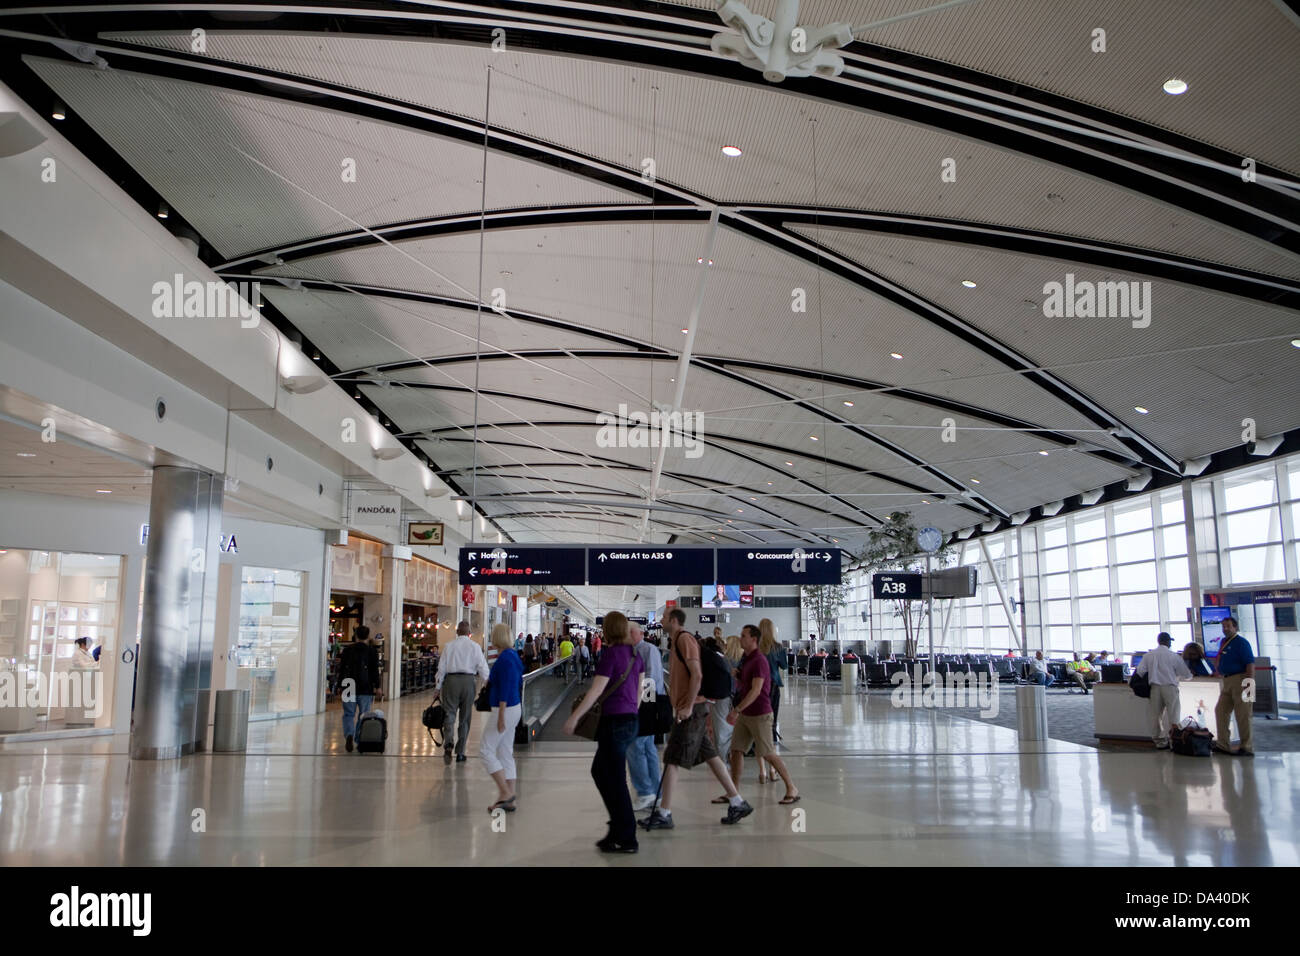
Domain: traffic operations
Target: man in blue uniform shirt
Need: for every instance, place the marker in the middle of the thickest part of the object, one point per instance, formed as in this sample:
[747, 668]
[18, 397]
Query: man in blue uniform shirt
[1236, 665]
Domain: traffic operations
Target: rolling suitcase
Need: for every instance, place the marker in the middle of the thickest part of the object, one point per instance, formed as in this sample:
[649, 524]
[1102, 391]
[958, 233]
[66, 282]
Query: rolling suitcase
[372, 732]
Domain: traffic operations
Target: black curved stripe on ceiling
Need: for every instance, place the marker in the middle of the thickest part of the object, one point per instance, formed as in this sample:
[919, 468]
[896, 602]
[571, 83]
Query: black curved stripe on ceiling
[714, 442]
[1226, 279]
[440, 433]
[1061, 148]
[1148, 452]
[461, 224]
[717, 365]
[615, 463]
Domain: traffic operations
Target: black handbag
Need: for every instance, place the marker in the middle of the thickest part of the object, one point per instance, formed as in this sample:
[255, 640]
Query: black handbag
[433, 718]
[590, 721]
[481, 701]
[655, 716]
[1139, 685]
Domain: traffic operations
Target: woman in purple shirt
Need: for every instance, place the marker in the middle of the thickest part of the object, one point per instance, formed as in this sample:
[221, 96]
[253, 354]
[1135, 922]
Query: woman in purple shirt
[617, 686]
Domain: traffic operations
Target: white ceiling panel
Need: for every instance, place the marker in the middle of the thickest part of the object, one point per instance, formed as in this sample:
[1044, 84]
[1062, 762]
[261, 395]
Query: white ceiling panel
[623, 114]
[1205, 362]
[194, 143]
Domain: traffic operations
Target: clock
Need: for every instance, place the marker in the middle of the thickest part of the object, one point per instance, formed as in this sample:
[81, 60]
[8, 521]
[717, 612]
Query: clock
[930, 539]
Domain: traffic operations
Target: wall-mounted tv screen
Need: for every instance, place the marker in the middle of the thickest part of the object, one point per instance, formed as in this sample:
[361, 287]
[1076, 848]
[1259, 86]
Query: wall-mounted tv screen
[747, 595]
[720, 595]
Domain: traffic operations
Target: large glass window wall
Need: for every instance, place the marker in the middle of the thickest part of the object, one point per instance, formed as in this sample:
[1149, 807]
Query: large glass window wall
[1112, 577]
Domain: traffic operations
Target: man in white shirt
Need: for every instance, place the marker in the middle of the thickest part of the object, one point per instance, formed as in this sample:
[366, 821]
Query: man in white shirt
[1038, 670]
[1163, 669]
[461, 663]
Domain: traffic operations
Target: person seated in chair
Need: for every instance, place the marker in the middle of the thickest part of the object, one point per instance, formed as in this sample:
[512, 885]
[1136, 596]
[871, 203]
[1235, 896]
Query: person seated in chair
[1082, 673]
[1038, 673]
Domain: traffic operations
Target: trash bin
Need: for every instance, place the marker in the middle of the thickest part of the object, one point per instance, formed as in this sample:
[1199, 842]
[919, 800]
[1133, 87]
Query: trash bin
[849, 677]
[1031, 711]
[230, 724]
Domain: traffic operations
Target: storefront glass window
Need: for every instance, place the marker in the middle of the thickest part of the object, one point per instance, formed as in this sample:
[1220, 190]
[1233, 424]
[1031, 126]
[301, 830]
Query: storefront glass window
[268, 656]
[48, 600]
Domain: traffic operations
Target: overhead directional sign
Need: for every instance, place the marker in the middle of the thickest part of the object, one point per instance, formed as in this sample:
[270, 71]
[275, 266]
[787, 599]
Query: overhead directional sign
[900, 586]
[510, 564]
[649, 566]
[779, 565]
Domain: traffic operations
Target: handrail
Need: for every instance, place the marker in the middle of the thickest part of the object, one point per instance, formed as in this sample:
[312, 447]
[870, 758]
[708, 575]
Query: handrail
[551, 702]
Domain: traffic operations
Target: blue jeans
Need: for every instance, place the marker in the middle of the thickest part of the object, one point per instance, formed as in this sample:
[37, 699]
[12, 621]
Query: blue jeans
[1044, 679]
[350, 712]
[614, 735]
[643, 765]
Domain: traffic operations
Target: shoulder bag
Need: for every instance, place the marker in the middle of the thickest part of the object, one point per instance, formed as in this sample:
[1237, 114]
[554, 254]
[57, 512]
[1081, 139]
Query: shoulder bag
[591, 719]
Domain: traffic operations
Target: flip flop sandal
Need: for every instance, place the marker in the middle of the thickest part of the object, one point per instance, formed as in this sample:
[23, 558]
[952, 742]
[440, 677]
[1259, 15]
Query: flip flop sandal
[507, 805]
[786, 801]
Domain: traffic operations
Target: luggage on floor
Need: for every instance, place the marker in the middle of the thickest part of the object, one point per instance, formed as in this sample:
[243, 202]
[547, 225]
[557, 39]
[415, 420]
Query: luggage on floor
[1191, 740]
[372, 732]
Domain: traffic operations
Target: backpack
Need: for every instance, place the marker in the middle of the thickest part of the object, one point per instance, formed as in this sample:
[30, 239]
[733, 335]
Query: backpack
[1140, 685]
[715, 683]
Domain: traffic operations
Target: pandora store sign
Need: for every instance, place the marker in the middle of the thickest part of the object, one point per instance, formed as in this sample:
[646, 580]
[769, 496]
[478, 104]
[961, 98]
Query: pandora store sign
[374, 511]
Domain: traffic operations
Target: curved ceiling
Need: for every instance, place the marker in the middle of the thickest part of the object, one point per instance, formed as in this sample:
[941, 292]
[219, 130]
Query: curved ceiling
[503, 268]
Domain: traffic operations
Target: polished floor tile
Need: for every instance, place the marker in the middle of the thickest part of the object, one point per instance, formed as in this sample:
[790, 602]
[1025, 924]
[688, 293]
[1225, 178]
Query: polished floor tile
[881, 786]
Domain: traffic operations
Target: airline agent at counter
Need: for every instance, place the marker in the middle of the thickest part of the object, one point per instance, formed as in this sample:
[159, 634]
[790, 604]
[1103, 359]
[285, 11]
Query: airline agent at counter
[1236, 665]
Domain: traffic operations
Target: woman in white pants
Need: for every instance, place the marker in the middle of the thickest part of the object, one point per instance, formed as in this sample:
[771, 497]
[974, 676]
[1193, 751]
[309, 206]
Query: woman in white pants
[505, 686]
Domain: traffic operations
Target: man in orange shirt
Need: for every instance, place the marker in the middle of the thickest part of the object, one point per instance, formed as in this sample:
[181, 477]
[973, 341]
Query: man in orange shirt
[689, 744]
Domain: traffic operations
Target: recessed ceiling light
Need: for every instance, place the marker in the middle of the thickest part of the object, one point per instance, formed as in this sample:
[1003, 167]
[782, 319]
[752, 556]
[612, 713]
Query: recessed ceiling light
[968, 283]
[684, 331]
[59, 112]
[1295, 343]
[790, 463]
[315, 355]
[740, 511]
[700, 260]
[1140, 410]
[925, 501]
[731, 151]
[975, 481]
[1044, 453]
[769, 484]
[752, 498]
[102, 491]
[895, 355]
[163, 211]
[848, 404]
[1175, 86]
[814, 438]
[506, 273]
[27, 454]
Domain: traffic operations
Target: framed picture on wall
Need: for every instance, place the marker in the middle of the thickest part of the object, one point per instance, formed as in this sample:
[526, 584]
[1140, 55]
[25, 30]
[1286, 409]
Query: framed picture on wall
[428, 532]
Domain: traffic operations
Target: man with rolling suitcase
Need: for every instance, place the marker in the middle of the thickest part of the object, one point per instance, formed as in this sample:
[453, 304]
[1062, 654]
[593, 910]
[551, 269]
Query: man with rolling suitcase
[358, 680]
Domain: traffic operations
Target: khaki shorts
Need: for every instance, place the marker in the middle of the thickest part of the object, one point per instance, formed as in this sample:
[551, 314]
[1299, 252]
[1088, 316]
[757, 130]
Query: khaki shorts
[689, 744]
[753, 730]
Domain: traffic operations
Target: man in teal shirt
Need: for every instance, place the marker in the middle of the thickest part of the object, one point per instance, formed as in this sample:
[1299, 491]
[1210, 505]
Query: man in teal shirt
[1236, 665]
